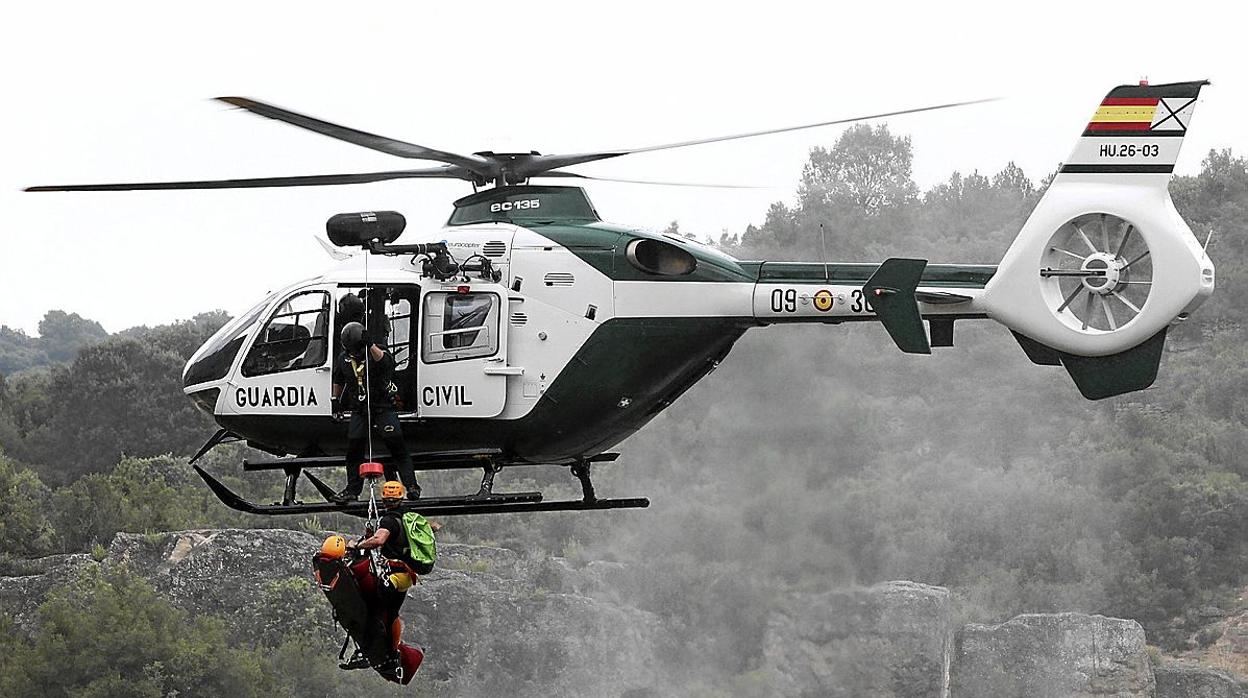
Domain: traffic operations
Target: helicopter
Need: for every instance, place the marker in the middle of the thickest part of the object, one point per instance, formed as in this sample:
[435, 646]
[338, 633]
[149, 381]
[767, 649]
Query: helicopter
[528, 331]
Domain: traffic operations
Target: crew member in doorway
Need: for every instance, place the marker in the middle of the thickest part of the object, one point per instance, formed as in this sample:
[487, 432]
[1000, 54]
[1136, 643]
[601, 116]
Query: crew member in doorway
[350, 309]
[359, 363]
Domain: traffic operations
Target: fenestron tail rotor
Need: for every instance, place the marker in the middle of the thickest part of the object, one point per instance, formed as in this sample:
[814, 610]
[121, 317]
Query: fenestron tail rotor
[1097, 272]
[480, 168]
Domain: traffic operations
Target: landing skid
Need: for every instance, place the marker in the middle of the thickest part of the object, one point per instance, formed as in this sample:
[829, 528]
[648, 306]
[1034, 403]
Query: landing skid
[484, 501]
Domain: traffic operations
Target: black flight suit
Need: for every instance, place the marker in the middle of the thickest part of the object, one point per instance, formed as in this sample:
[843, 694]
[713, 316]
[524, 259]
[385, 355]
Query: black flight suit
[383, 417]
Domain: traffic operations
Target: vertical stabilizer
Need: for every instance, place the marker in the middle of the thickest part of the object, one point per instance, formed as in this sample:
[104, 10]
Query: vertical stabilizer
[1105, 262]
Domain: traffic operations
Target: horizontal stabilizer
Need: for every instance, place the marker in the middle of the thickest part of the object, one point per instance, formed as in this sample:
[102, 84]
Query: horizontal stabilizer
[940, 297]
[891, 290]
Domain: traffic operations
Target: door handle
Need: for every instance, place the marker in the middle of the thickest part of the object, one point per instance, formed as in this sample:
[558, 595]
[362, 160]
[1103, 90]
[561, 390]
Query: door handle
[322, 369]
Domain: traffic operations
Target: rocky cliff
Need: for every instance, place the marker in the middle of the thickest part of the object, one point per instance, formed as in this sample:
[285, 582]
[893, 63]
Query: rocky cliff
[494, 622]
[1053, 656]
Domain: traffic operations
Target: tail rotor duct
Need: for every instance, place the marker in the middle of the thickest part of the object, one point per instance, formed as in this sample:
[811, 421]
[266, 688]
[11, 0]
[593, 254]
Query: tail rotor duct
[1097, 273]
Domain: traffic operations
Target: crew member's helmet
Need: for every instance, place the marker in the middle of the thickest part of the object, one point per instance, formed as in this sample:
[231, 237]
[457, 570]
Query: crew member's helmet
[334, 547]
[350, 309]
[393, 489]
[352, 339]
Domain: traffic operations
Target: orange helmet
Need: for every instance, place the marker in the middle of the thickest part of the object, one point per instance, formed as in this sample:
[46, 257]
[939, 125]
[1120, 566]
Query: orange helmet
[393, 489]
[334, 547]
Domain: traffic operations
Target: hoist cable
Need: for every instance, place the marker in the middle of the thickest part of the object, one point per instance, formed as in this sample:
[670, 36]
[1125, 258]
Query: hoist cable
[373, 516]
[368, 351]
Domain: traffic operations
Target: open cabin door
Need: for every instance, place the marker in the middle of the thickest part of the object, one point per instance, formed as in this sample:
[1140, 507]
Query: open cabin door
[392, 317]
[463, 353]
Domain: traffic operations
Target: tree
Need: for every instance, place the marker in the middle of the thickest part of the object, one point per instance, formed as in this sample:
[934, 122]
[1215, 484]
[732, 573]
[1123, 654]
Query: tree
[140, 495]
[184, 336]
[973, 217]
[122, 395]
[108, 633]
[868, 170]
[24, 527]
[62, 334]
[18, 351]
[1216, 201]
[118, 397]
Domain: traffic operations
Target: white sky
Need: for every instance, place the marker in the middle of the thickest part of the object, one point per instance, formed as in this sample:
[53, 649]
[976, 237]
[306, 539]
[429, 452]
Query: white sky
[117, 91]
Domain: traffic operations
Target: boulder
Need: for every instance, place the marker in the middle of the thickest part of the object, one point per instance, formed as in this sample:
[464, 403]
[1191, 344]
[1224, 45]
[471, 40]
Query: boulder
[892, 639]
[1182, 681]
[1061, 655]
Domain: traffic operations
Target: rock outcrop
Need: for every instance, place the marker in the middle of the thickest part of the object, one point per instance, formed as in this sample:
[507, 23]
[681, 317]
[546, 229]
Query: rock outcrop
[1181, 681]
[1062, 655]
[892, 639]
[495, 622]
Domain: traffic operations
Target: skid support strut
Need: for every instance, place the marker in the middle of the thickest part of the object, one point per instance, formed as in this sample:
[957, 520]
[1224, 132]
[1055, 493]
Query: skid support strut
[292, 479]
[488, 471]
[581, 470]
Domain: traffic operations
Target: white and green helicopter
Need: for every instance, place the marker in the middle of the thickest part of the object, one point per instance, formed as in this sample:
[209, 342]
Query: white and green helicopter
[528, 331]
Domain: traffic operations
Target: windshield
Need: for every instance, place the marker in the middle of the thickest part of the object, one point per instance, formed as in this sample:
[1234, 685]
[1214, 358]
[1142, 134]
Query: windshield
[213, 360]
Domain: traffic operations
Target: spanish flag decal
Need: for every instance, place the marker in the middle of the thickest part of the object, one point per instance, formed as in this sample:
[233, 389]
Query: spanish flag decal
[1124, 114]
[1154, 110]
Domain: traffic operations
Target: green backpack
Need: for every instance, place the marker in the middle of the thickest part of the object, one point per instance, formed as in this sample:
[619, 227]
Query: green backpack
[420, 542]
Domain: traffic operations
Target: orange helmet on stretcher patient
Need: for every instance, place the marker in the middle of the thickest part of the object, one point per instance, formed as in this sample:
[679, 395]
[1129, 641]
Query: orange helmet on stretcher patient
[334, 547]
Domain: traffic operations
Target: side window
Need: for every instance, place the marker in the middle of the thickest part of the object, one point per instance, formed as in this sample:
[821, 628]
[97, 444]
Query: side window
[399, 316]
[460, 326]
[294, 337]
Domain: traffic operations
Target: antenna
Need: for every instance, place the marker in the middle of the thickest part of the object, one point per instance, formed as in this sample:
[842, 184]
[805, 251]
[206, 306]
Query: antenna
[1209, 239]
[823, 251]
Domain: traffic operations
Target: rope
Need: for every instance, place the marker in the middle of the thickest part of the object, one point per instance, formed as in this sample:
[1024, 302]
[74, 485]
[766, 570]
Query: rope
[368, 354]
[374, 517]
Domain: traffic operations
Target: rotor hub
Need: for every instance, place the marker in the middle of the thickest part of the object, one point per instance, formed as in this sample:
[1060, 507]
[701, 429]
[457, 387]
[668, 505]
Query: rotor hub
[1110, 266]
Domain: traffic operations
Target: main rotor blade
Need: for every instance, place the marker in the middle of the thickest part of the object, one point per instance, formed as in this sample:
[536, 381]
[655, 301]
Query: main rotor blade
[542, 163]
[644, 181]
[297, 181]
[383, 144]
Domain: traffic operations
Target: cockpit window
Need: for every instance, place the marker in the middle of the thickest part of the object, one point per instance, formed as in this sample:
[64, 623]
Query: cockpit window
[295, 337]
[217, 354]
